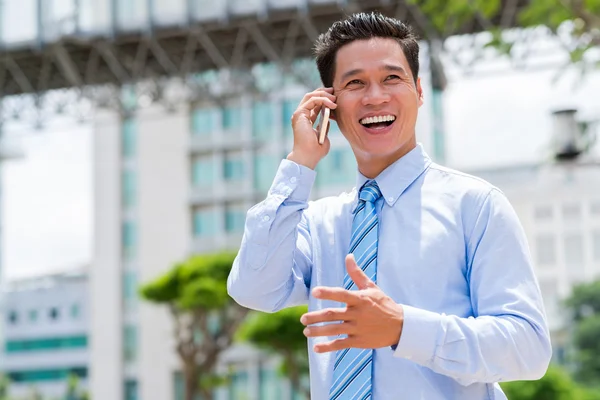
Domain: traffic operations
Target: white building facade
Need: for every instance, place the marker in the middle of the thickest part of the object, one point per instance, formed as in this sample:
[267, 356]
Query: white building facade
[558, 204]
[46, 331]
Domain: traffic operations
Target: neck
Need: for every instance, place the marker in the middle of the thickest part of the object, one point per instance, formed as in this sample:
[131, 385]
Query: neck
[371, 166]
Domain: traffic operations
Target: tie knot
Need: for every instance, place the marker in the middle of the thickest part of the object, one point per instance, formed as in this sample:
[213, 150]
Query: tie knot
[370, 192]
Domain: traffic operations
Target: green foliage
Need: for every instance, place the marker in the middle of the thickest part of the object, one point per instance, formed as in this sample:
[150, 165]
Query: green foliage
[555, 385]
[74, 392]
[584, 307]
[584, 300]
[448, 17]
[205, 317]
[277, 332]
[200, 282]
[4, 384]
[281, 333]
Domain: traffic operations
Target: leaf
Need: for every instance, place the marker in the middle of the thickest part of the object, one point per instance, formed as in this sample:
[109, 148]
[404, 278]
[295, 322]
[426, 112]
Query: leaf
[277, 332]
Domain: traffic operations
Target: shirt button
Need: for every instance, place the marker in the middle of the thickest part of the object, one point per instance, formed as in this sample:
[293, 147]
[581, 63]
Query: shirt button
[266, 218]
[293, 179]
[391, 199]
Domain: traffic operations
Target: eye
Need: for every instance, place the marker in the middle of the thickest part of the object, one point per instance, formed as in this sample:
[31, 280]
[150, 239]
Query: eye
[354, 82]
[392, 77]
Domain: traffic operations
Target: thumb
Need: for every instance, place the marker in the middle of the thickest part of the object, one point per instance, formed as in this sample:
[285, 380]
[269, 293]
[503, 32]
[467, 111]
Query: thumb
[357, 275]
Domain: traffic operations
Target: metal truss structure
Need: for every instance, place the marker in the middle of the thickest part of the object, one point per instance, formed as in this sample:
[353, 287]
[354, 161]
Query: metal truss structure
[168, 63]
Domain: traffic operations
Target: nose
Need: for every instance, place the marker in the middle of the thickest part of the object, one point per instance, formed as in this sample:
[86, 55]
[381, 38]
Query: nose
[375, 95]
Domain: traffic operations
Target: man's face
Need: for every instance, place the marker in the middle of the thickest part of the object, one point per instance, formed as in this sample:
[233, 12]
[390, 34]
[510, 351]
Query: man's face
[377, 100]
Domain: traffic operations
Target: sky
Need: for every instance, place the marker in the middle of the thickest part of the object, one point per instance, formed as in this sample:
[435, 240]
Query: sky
[47, 200]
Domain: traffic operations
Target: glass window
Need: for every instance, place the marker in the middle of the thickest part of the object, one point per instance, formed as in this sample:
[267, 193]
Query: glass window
[130, 343]
[129, 285]
[203, 121]
[203, 172]
[33, 315]
[238, 388]
[53, 344]
[46, 375]
[129, 188]
[131, 389]
[205, 222]
[574, 249]
[13, 317]
[337, 168]
[265, 166]
[543, 213]
[129, 239]
[596, 245]
[54, 313]
[571, 212]
[233, 168]
[232, 118]
[75, 311]
[574, 257]
[289, 106]
[129, 137]
[262, 120]
[270, 384]
[595, 208]
[235, 218]
[545, 246]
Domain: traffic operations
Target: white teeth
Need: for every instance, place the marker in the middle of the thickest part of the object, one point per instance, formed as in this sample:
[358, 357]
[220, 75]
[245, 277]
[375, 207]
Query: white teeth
[373, 120]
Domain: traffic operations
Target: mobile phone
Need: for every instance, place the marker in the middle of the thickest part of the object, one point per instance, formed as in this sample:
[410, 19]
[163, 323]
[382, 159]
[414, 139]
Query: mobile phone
[323, 124]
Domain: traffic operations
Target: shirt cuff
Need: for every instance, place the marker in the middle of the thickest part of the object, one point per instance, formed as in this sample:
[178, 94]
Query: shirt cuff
[419, 338]
[293, 181]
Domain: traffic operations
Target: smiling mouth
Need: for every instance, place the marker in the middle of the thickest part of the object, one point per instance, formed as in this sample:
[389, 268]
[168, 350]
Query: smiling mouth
[379, 122]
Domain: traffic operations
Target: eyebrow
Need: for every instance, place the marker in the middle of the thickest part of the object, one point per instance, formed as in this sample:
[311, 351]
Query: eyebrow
[387, 67]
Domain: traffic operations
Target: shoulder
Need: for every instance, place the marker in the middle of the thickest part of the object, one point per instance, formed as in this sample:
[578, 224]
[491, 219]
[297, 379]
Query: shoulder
[462, 184]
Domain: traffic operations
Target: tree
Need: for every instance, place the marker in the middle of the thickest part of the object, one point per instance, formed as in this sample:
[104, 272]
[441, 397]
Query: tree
[4, 384]
[555, 385]
[281, 333]
[576, 23]
[205, 317]
[74, 392]
[584, 306]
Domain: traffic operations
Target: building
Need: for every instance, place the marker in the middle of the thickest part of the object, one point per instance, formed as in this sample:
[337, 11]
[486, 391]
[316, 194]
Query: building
[558, 204]
[46, 328]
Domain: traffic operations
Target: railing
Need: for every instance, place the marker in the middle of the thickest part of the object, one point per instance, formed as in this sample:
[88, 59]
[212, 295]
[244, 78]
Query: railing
[27, 23]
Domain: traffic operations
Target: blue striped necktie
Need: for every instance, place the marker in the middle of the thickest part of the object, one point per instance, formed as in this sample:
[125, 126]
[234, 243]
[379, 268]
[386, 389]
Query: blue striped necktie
[353, 367]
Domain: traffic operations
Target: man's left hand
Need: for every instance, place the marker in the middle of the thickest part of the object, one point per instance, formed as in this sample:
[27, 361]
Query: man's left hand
[370, 319]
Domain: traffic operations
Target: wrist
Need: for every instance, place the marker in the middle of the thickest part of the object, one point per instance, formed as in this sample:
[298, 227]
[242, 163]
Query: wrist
[300, 159]
[396, 326]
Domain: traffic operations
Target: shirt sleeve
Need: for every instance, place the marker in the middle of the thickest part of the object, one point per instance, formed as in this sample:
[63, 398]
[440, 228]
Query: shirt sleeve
[508, 338]
[273, 266]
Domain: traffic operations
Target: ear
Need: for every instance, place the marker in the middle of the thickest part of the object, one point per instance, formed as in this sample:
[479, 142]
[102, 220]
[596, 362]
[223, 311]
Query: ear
[419, 92]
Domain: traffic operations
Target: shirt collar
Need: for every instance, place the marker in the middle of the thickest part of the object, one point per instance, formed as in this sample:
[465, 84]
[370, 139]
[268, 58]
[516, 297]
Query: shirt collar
[397, 177]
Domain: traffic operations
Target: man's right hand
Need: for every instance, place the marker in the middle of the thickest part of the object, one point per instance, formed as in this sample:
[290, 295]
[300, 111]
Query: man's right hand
[307, 151]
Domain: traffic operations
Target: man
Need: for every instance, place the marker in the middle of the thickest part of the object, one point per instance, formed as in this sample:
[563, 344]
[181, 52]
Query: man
[419, 282]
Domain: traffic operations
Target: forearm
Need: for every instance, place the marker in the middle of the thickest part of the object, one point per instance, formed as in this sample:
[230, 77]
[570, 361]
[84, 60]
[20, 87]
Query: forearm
[484, 349]
[273, 264]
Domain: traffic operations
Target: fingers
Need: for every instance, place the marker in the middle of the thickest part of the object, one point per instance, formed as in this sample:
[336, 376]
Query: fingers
[357, 275]
[320, 92]
[334, 329]
[336, 294]
[318, 101]
[335, 345]
[312, 102]
[325, 315]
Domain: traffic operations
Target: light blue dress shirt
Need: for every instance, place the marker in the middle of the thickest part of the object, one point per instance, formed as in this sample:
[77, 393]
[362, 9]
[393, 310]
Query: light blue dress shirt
[451, 251]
